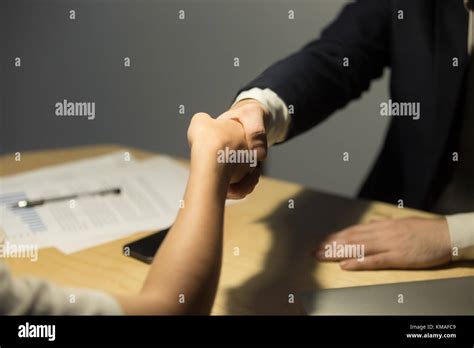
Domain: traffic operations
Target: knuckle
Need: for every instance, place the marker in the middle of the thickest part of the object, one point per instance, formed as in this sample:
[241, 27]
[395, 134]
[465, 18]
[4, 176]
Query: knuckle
[199, 115]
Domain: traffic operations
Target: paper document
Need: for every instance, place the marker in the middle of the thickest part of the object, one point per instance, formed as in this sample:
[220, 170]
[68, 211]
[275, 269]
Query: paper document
[150, 196]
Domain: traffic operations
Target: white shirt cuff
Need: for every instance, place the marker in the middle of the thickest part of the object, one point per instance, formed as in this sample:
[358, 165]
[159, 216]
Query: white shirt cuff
[461, 229]
[279, 120]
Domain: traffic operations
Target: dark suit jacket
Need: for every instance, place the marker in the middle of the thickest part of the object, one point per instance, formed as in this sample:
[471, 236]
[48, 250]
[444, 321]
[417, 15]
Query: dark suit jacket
[413, 164]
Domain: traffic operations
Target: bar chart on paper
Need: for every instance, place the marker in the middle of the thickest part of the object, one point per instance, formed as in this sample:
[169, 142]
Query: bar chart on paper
[29, 226]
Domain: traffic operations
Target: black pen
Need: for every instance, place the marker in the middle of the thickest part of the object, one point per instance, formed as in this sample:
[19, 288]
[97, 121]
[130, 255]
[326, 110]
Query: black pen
[28, 204]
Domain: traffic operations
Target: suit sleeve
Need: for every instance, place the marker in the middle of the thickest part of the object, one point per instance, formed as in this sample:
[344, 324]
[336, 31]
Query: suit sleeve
[315, 81]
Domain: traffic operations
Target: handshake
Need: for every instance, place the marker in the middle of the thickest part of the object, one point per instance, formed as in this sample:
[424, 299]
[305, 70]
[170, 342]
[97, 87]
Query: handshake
[232, 144]
[409, 243]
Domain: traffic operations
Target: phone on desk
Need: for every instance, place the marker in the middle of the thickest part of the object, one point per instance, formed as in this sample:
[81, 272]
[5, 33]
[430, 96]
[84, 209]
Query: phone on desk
[145, 248]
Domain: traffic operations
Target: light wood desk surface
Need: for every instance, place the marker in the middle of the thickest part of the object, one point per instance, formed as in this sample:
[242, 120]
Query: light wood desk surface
[273, 241]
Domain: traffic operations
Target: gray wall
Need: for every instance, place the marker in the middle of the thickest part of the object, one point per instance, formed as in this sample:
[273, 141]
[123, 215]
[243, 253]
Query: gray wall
[174, 62]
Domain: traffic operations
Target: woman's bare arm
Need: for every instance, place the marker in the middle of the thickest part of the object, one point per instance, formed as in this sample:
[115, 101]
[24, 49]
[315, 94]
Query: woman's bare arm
[187, 265]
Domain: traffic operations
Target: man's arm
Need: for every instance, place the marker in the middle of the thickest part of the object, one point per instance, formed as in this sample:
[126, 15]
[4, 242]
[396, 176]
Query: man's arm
[329, 72]
[314, 82]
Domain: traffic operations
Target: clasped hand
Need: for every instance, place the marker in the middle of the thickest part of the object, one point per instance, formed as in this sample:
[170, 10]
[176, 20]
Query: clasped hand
[207, 137]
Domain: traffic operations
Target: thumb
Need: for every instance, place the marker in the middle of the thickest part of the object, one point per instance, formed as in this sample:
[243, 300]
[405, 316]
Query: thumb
[255, 135]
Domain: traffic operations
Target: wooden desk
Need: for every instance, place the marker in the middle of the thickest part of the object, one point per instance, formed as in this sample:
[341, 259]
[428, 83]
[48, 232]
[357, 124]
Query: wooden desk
[273, 244]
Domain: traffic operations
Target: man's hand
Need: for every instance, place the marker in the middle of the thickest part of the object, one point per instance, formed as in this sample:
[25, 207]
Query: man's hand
[410, 243]
[251, 115]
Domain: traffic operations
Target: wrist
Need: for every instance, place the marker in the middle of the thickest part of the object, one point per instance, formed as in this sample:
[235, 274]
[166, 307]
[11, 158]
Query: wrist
[252, 105]
[204, 159]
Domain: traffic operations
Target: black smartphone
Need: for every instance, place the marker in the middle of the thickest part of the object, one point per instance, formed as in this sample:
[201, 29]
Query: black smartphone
[144, 249]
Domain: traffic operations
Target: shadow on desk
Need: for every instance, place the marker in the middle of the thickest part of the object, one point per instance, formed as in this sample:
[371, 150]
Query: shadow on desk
[289, 268]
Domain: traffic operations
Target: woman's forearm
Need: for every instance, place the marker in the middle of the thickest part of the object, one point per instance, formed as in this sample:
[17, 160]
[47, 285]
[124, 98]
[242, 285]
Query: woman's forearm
[184, 275]
[193, 247]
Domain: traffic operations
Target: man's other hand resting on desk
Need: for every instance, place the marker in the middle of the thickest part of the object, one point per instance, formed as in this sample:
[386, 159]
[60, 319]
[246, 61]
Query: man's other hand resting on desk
[184, 275]
[410, 243]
